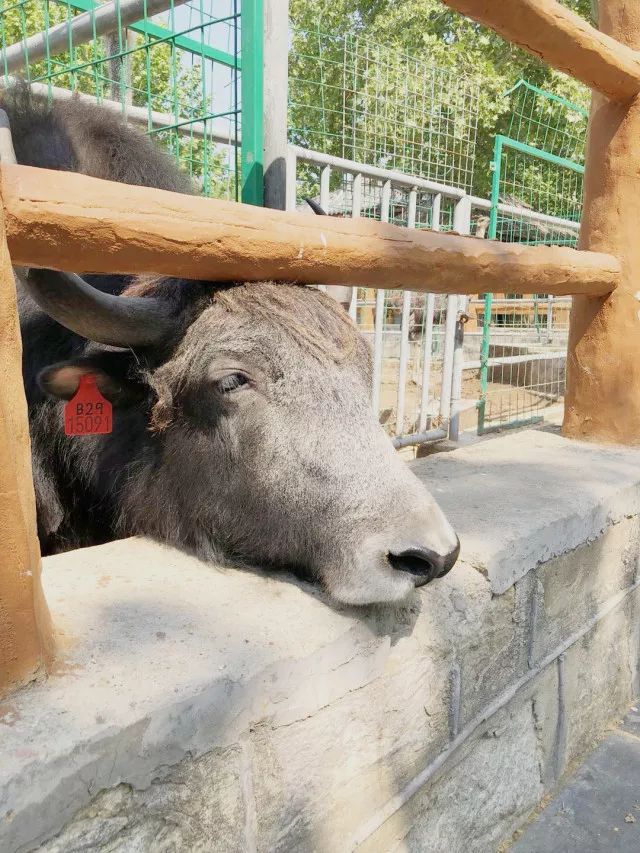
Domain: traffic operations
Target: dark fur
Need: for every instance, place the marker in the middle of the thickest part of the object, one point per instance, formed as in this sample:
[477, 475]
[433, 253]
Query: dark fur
[74, 136]
[78, 489]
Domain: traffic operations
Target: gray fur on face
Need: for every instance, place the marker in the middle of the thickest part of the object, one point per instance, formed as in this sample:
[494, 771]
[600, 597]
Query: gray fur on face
[292, 469]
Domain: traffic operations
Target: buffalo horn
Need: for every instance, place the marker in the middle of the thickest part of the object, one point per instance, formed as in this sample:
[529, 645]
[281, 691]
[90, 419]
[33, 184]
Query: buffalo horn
[117, 321]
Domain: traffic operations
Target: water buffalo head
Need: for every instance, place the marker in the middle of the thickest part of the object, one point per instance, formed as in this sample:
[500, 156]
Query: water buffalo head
[243, 429]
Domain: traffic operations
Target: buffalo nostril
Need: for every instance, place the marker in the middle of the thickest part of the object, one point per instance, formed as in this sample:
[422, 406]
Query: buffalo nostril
[424, 564]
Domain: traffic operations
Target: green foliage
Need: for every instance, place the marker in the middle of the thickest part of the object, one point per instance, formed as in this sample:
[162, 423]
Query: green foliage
[429, 30]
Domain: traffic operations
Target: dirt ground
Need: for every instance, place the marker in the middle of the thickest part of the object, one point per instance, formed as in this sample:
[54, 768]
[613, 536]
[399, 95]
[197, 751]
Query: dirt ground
[505, 402]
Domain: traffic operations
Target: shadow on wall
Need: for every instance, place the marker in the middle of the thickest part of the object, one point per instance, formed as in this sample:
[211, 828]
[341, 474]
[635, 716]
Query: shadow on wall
[331, 713]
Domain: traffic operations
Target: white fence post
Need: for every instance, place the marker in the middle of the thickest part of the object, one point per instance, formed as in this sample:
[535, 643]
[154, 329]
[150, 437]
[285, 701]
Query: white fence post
[325, 180]
[426, 361]
[356, 210]
[404, 328]
[290, 180]
[378, 342]
[276, 78]
[451, 318]
[462, 225]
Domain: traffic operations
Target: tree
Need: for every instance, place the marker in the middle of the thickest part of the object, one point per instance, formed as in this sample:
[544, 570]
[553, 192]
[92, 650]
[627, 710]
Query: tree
[425, 29]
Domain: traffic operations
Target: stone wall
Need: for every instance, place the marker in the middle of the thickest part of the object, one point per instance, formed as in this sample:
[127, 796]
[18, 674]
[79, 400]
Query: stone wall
[198, 708]
[546, 377]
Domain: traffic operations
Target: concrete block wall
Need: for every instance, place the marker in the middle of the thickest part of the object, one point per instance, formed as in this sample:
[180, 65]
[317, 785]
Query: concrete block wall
[198, 708]
[546, 376]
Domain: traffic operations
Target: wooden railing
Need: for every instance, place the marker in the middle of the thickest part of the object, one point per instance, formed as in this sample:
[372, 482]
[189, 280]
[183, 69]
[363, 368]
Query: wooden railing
[72, 222]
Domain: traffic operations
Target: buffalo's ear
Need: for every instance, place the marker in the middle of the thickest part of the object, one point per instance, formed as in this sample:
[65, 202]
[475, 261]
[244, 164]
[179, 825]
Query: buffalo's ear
[116, 376]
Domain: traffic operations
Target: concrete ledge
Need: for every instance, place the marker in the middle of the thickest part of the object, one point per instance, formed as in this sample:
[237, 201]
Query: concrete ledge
[522, 499]
[201, 708]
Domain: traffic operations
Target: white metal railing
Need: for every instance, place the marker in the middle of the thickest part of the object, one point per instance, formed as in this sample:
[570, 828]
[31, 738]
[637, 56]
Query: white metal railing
[102, 20]
[455, 305]
[445, 410]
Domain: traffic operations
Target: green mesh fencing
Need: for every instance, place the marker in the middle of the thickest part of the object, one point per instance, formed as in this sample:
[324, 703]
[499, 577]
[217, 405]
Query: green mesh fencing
[547, 122]
[366, 102]
[177, 74]
[536, 199]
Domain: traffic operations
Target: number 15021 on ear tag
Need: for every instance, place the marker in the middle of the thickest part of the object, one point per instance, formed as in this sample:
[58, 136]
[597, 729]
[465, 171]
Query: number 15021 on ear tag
[88, 413]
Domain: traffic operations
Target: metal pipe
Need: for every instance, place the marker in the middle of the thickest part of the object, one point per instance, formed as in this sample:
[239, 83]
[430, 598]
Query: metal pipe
[462, 225]
[426, 365]
[436, 206]
[325, 179]
[385, 205]
[356, 206]
[447, 357]
[449, 345]
[377, 350]
[291, 178]
[456, 370]
[404, 329]
[419, 438]
[404, 358]
[426, 361]
[275, 71]
[356, 195]
[462, 216]
[343, 295]
[79, 30]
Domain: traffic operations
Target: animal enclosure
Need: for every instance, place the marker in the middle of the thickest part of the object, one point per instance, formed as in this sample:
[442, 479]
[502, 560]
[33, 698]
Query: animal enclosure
[538, 165]
[58, 220]
[178, 75]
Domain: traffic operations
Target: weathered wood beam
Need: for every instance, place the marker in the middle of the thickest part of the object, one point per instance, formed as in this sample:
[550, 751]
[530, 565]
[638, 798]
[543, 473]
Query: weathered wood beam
[603, 363]
[25, 630]
[72, 222]
[564, 40]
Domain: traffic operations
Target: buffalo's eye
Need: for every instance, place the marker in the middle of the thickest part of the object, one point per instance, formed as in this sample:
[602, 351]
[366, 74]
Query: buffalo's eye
[231, 382]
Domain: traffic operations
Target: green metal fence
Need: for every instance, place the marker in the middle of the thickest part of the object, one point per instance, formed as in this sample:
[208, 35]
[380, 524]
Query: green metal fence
[366, 102]
[536, 199]
[192, 76]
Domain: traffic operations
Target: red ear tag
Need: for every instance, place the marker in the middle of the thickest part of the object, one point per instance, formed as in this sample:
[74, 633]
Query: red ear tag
[88, 413]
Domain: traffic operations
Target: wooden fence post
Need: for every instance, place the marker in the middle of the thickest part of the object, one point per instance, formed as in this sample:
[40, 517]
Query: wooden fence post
[603, 365]
[25, 629]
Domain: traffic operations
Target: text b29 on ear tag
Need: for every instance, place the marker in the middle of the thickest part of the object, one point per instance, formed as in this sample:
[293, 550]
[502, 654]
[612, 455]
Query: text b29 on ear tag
[88, 412]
